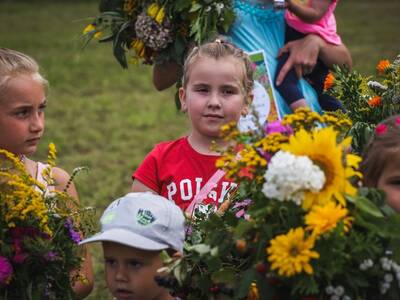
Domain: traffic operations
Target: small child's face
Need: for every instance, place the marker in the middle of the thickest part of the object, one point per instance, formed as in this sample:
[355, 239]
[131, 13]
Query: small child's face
[130, 273]
[22, 115]
[214, 94]
[390, 183]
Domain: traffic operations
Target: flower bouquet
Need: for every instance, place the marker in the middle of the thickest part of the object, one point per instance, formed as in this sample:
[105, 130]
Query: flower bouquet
[299, 226]
[40, 231]
[158, 30]
[368, 101]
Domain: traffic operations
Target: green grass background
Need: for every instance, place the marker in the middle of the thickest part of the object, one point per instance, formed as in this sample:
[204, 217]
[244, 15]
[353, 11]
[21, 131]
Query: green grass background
[107, 118]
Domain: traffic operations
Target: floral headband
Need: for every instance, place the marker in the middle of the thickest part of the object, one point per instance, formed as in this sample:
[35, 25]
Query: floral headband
[383, 128]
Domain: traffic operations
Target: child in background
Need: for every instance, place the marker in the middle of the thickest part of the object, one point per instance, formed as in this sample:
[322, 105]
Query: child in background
[217, 85]
[22, 105]
[303, 18]
[381, 161]
[134, 230]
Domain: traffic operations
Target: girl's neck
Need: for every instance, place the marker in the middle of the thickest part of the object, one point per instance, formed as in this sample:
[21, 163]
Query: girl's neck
[203, 144]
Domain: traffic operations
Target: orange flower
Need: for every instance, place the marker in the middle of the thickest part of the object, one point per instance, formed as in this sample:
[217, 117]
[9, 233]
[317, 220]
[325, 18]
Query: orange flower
[375, 101]
[382, 66]
[329, 80]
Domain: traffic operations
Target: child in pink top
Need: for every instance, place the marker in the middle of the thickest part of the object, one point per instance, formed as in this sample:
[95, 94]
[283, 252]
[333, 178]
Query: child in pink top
[305, 17]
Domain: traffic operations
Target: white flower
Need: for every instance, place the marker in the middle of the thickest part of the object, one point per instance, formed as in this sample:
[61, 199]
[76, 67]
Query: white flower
[219, 7]
[388, 277]
[376, 85]
[288, 176]
[339, 290]
[329, 290]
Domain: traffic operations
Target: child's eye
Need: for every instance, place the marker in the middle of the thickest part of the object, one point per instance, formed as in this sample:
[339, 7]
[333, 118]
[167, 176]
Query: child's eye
[42, 108]
[22, 113]
[135, 264]
[201, 89]
[110, 262]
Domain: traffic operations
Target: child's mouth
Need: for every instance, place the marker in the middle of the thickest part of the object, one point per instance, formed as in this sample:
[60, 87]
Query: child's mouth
[123, 294]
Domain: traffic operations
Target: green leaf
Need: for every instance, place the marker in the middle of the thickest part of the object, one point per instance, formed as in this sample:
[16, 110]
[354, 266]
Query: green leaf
[195, 7]
[226, 275]
[242, 289]
[366, 206]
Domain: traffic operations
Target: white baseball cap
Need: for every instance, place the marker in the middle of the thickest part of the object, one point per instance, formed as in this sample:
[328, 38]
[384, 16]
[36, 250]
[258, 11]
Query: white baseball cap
[142, 220]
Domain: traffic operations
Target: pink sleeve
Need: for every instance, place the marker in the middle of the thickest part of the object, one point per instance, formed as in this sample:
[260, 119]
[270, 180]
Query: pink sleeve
[147, 172]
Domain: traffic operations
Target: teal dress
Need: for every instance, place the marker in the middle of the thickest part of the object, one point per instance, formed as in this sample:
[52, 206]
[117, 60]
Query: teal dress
[259, 26]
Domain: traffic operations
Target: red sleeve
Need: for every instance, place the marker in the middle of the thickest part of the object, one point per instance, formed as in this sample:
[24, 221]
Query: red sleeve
[147, 172]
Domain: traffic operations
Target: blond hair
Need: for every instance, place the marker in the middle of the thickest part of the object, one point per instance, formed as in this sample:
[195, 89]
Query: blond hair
[220, 49]
[13, 63]
[380, 150]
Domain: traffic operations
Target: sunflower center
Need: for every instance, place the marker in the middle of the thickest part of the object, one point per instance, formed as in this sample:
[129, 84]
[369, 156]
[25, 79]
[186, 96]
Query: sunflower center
[294, 251]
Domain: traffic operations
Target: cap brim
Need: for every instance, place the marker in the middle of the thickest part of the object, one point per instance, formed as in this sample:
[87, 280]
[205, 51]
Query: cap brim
[125, 237]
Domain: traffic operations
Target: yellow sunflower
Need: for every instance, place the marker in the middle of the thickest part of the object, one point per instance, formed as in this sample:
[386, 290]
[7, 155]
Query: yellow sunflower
[322, 148]
[291, 253]
[322, 219]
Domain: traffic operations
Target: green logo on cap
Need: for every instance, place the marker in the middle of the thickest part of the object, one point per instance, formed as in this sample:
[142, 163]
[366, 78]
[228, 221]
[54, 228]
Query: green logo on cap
[108, 218]
[145, 217]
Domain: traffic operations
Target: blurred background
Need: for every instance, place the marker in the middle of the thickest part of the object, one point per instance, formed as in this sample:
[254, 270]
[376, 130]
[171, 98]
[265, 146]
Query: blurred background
[107, 118]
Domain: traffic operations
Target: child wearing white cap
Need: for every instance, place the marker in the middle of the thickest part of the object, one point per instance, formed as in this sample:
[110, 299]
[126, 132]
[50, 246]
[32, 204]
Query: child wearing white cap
[134, 230]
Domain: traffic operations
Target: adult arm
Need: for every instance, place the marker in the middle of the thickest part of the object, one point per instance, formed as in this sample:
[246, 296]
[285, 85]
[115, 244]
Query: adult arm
[81, 288]
[303, 55]
[166, 74]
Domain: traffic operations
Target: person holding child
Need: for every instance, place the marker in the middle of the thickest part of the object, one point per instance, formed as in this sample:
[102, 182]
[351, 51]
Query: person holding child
[312, 17]
[259, 27]
[22, 105]
[217, 86]
[381, 161]
[134, 230]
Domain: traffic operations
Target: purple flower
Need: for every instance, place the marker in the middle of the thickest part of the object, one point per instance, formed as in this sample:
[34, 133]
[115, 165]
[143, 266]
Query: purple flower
[242, 205]
[6, 270]
[276, 126]
[51, 256]
[75, 236]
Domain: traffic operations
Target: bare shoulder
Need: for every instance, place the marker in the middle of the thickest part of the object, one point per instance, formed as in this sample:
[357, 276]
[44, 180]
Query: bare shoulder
[62, 178]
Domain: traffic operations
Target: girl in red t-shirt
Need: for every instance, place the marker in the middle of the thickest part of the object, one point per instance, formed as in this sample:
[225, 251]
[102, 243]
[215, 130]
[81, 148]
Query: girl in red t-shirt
[217, 86]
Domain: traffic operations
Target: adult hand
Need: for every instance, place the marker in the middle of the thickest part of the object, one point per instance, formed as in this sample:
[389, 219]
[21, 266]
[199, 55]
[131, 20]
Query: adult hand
[303, 55]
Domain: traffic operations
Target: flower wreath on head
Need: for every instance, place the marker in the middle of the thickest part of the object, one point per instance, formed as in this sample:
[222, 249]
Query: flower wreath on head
[154, 31]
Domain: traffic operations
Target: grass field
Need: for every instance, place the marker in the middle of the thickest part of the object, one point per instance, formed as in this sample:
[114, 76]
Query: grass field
[107, 118]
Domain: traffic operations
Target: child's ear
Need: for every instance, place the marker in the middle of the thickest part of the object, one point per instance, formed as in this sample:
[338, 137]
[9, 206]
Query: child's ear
[182, 99]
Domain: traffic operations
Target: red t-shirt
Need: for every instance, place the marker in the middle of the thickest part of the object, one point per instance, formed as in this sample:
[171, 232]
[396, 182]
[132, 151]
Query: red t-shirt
[176, 171]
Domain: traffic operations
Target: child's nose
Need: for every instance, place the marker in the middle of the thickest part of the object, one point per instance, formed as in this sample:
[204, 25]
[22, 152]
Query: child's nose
[121, 274]
[214, 101]
[37, 122]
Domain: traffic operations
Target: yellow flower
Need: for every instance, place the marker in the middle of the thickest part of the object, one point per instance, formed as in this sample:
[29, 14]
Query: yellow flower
[153, 9]
[253, 292]
[89, 28]
[160, 15]
[139, 48]
[382, 66]
[322, 219]
[321, 147]
[291, 253]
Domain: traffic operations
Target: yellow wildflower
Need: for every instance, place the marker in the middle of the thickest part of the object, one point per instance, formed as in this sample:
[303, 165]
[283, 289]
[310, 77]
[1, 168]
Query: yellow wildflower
[291, 253]
[139, 48]
[89, 28]
[322, 219]
[160, 15]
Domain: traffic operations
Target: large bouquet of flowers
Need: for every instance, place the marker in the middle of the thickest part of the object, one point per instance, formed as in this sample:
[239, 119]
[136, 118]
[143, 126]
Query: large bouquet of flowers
[299, 225]
[40, 232]
[367, 100]
[158, 30]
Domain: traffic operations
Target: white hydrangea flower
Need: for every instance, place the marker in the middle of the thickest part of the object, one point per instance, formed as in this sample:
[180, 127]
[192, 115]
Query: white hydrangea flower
[219, 7]
[288, 176]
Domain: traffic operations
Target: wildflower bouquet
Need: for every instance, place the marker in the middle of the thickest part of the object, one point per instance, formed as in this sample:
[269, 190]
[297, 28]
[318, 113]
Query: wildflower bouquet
[367, 100]
[298, 226]
[158, 30]
[40, 230]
